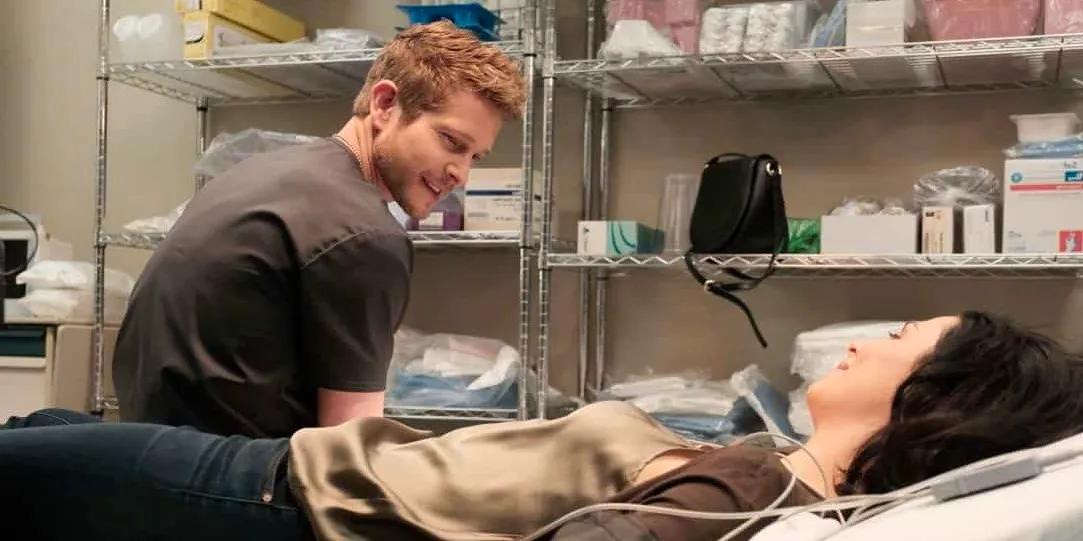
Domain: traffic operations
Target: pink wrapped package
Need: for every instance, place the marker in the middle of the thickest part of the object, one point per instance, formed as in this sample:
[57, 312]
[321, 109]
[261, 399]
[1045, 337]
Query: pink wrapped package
[981, 19]
[652, 11]
[1063, 16]
[683, 12]
[677, 19]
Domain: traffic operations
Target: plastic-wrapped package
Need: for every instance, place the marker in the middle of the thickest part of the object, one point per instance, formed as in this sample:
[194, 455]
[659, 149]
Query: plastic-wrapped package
[157, 224]
[755, 27]
[771, 405]
[71, 305]
[723, 30]
[636, 38]
[1068, 147]
[977, 19]
[868, 206]
[800, 417]
[229, 149]
[830, 28]
[652, 11]
[804, 236]
[816, 352]
[347, 38]
[73, 276]
[691, 405]
[957, 187]
[450, 370]
[675, 21]
[776, 26]
[1063, 16]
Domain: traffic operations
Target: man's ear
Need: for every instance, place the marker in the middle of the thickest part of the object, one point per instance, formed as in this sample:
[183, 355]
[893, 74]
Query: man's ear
[384, 98]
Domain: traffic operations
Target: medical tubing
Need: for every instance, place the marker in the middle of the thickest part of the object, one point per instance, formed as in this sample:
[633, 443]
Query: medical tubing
[862, 502]
[751, 517]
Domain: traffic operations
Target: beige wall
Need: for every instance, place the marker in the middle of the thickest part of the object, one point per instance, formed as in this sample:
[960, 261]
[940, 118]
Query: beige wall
[658, 319]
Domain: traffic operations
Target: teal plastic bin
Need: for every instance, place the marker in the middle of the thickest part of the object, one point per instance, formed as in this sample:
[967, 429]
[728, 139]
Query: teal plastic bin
[471, 16]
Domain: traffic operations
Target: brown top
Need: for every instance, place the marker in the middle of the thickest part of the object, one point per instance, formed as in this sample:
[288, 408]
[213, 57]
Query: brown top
[371, 477]
[725, 480]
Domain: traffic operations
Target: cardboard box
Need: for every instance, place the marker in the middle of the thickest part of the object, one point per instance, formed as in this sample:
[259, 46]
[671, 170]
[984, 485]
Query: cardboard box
[493, 200]
[979, 229]
[251, 14]
[205, 34]
[938, 230]
[617, 237]
[884, 234]
[1043, 206]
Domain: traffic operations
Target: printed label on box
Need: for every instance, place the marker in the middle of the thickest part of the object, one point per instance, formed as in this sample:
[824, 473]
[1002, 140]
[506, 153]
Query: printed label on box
[1071, 241]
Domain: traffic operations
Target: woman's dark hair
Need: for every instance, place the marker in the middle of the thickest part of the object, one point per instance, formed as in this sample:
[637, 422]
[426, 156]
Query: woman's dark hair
[988, 387]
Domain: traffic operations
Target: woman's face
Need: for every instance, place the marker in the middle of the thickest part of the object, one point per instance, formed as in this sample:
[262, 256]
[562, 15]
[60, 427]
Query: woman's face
[863, 384]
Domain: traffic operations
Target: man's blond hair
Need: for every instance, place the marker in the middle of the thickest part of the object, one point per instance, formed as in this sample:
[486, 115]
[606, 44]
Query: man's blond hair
[429, 62]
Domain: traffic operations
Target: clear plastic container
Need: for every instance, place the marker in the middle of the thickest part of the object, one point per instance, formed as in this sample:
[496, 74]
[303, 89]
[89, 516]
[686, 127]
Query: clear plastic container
[981, 19]
[1045, 127]
[1063, 16]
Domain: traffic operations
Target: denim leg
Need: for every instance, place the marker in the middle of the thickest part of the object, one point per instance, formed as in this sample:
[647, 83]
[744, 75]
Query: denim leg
[141, 482]
[50, 417]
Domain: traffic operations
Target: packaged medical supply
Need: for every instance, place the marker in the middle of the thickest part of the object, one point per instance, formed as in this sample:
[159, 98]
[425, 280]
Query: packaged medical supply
[492, 199]
[1045, 127]
[446, 215]
[1043, 206]
[251, 14]
[980, 229]
[938, 230]
[871, 23]
[1063, 16]
[617, 237]
[981, 19]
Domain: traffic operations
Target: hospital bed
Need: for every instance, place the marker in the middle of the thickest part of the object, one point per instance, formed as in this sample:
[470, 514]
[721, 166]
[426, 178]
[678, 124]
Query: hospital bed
[1048, 506]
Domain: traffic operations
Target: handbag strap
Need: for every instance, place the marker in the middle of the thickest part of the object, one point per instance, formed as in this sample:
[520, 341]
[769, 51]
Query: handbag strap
[727, 290]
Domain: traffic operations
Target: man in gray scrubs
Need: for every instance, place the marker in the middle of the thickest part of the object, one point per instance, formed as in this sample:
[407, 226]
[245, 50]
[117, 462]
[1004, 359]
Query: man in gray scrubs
[272, 304]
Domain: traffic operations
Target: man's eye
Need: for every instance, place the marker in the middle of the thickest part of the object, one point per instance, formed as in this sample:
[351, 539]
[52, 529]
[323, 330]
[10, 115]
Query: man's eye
[894, 335]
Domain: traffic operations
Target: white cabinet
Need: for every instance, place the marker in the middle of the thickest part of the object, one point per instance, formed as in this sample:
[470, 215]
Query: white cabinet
[48, 365]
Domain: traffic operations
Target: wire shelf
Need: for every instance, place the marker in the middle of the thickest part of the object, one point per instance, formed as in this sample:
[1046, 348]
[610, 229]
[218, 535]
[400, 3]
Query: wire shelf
[434, 414]
[452, 414]
[422, 239]
[908, 69]
[856, 266]
[300, 76]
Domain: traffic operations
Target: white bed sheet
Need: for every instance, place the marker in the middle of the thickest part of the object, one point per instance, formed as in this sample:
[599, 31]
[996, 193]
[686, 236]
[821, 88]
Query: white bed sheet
[1047, 508]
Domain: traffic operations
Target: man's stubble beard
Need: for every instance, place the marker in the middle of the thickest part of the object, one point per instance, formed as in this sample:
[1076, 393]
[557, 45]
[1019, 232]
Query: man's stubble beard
[393, 177]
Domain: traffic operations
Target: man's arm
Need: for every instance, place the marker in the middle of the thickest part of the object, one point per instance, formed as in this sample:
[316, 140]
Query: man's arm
[354, 296]
[336, 407]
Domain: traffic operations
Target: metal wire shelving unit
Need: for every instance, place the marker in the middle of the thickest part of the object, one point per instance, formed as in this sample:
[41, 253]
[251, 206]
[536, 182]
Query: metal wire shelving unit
[1049, 63]
[304, 77]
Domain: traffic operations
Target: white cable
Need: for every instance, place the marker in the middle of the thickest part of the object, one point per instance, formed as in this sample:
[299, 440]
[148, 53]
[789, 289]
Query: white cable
[863, 502]
[750, 517]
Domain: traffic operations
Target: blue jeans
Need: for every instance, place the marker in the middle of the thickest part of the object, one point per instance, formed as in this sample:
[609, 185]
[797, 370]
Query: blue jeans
[66, 476]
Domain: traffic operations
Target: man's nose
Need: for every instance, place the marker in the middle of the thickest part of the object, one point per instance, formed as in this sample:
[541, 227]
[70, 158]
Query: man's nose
[459, 174]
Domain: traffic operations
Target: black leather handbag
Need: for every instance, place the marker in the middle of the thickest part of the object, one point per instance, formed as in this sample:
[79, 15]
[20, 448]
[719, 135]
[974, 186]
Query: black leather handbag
[739, 209]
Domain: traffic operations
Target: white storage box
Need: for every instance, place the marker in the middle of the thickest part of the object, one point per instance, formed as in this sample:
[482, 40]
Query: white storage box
[493, 199]
[1045, 127]
[1043, 206]
[885, 234]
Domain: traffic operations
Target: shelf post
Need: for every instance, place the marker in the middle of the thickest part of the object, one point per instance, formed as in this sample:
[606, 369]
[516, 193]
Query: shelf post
[527, 250]
[98, 332]
[544, 275]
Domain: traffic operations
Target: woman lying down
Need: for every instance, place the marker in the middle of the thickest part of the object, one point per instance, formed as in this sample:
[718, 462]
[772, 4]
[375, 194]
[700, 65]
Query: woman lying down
[936, 395]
